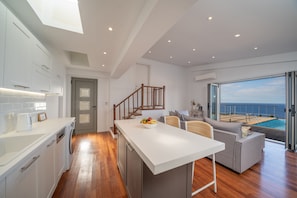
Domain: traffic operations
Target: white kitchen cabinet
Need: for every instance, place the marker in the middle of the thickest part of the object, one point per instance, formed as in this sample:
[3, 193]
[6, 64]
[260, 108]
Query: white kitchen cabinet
[41, 69]
[18, 58]
[2, 188]
[23, 181]
[2, 40]
[57, 84]
[60, 155]
[41, 56]
[46, 169]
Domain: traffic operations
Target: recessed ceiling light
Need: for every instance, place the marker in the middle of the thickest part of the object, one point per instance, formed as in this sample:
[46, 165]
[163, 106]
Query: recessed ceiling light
[189, 62]
[150, 52]
[170, 57]
[210, 18]
[194, 49]
[256, 48]
[169, 41]
[213, 57]
[103, 65]
[104, 53]
[110, 28]
[237, 35]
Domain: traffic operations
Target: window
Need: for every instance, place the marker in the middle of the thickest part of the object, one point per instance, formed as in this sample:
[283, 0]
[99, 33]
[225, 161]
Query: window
[259, 103]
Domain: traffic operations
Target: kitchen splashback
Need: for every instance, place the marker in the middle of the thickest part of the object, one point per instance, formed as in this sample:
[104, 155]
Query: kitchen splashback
[14, 102]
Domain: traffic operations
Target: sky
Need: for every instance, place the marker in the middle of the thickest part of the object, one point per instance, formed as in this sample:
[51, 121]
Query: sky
[268, 90]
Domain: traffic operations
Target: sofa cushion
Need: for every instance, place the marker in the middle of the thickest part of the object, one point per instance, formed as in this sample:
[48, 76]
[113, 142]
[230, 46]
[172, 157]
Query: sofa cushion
[189, 118]
[234, 127]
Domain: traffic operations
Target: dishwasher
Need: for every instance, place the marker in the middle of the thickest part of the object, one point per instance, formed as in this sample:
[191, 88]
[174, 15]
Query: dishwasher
[60, 153]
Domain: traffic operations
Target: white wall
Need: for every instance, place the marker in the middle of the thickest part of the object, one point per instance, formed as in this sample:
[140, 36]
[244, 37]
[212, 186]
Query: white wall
[238, 70]
[160, 74]
[175, 81]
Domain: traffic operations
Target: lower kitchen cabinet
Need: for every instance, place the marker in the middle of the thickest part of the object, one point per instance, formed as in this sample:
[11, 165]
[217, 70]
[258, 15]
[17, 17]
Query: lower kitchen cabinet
[140, 182]
[60, 155]
[2, 188]
[46, 169]
[23, 182]
[121, 157]
[134, 173]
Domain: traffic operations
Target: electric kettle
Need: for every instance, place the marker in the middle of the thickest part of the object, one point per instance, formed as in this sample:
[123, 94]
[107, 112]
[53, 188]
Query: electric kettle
[24, 122]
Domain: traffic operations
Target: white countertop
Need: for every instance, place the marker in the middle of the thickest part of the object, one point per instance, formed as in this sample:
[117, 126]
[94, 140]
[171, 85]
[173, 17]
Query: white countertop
[48, 128]
[165, 147]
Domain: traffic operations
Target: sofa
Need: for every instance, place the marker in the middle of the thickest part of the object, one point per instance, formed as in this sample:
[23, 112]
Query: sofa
[243, 147]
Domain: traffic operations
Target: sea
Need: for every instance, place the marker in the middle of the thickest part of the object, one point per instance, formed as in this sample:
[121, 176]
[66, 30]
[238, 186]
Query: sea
[254, 109]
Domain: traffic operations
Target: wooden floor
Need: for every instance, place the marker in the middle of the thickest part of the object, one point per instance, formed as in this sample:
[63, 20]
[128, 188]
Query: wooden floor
[94, 173]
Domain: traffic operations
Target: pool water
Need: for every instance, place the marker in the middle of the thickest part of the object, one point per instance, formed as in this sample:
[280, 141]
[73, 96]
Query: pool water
[275, 124]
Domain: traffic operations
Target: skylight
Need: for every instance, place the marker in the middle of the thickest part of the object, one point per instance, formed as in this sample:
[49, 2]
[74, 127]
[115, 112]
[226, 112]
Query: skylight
[62, 14]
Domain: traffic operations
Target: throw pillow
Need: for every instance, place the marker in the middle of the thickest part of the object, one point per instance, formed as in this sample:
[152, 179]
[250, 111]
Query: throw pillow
[180, 116]
[234, 127]
[172, 113]
[246, 131]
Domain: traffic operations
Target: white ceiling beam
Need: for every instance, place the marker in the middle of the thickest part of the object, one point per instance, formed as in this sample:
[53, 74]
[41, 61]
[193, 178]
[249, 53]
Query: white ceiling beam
[157, 17]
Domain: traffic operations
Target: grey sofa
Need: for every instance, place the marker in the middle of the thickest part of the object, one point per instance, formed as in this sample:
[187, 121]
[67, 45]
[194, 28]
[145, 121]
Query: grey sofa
[242, 150]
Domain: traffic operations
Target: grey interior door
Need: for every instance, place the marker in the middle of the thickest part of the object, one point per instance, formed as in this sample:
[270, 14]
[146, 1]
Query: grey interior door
[84, 104]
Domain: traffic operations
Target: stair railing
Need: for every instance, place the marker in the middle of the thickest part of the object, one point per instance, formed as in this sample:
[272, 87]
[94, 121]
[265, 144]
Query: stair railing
[144, 98]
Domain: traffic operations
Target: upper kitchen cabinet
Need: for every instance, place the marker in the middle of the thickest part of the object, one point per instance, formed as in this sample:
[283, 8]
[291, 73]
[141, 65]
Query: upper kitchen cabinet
[41, 67]
[41, 56]
[2, 40]
[18, 57]
[57, 81]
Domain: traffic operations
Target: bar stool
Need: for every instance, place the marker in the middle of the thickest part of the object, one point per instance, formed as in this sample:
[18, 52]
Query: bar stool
[172, 120]
[204, 129]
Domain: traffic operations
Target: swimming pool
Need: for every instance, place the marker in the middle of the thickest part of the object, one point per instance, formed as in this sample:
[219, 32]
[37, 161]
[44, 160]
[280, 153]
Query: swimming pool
[275, 124]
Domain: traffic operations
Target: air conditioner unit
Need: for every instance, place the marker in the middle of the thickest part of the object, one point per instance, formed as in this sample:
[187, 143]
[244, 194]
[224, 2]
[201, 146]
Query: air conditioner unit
[206, 76]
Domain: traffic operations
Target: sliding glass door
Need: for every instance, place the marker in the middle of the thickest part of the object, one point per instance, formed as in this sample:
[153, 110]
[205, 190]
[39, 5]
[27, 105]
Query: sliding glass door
[291, 102]
[213, 102]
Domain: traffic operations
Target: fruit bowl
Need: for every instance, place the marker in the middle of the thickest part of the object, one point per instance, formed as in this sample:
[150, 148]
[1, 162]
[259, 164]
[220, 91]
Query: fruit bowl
[148, 122]
[150, 126]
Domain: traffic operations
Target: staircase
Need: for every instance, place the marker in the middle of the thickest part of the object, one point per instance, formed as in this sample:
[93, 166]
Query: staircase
[144, 98]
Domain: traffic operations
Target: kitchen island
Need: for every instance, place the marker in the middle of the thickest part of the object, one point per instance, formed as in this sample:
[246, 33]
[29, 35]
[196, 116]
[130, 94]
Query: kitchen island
[157, 162]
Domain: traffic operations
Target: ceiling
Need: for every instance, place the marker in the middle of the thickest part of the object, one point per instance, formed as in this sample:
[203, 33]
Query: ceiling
[142, 28]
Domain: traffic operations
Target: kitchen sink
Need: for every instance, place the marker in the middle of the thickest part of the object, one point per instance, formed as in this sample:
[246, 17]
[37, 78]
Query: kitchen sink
[13, 146]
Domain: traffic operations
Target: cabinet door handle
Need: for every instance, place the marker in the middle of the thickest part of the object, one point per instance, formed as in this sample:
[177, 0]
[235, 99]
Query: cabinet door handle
[30, 163]
[18, 27]
[129, 147]
[45, 67]
[21, 86]
[50, 143]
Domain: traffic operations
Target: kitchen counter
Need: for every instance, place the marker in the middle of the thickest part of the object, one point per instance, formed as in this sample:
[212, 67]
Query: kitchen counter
[157, 162]
[46, 129]
[165, 147]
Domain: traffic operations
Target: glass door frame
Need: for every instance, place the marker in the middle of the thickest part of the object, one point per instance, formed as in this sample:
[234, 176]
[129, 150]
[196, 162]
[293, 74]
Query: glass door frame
[213, 106]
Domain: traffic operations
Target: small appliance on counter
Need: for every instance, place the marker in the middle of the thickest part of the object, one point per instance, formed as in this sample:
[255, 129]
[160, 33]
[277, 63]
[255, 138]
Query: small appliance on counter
[24, 122]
